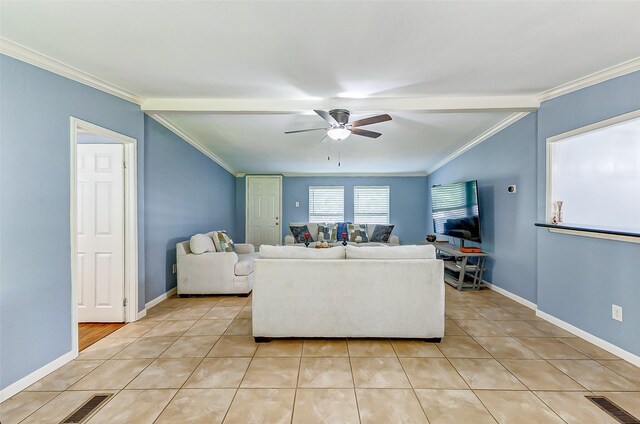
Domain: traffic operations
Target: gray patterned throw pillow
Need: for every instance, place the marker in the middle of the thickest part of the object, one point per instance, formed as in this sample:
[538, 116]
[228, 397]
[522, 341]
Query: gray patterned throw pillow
[298, 232]
[382, 233]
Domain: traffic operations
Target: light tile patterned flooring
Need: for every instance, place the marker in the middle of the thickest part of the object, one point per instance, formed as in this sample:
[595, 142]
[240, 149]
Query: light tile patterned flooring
[194, 360]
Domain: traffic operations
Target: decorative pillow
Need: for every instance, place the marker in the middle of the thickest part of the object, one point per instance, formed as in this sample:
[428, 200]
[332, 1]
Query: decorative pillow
[357, 230]
[222, 241]
[298, 232]
[329, 232]
[201, 243]
[334, 233]
[342, 228]
[381, 233]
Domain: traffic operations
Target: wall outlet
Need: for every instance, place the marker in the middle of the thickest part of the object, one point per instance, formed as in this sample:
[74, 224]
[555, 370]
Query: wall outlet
[616, 312]
[175, 268]
[297, 204]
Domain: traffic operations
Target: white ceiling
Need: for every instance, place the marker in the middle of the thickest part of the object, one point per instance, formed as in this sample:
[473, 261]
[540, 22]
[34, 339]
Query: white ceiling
[325, 50]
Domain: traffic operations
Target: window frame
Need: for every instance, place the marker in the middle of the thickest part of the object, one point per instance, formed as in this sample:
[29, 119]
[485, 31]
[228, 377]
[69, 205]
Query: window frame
[320, 187]
[388, 205]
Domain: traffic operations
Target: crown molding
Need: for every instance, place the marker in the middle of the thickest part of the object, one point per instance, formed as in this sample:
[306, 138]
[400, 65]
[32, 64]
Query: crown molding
[618, 70]
[434, 104]
[355, 174]
[511, 119]
[164, 121]
[32, 57]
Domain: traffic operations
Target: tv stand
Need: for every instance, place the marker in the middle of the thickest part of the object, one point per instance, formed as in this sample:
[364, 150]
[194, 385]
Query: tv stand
[459, 273]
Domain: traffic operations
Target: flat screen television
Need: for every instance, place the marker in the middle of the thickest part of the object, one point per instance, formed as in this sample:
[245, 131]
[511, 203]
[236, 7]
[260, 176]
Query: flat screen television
[455, 210]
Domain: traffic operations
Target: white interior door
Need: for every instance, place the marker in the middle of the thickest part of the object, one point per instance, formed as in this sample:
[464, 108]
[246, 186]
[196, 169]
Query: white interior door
[100, 233]
[263, 210]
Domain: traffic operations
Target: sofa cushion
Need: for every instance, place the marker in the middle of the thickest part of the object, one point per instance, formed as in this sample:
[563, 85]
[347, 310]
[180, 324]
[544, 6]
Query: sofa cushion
[382, 233]
[298, 232]
[391, 252]
[222, 241]
[357, 233]
[201, 243]
[295, 252]
[244, 266]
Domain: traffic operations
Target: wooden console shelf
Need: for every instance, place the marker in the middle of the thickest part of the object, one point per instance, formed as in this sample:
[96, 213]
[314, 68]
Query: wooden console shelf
[456, 272]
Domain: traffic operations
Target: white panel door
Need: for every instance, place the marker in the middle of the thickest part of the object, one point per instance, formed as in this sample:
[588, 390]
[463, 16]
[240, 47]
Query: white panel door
[263, 210]
[100, 233]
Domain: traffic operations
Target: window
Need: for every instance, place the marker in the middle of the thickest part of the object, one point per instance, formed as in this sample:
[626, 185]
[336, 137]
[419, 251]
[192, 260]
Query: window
[371, 204]
[595, 172]
[326, 203]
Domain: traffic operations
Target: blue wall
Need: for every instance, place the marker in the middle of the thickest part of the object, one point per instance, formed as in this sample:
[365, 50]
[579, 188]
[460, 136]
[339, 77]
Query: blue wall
[579, 277]
[186, 193]
[35, 278]
[573, 278]
[508, 234]
[407, 198]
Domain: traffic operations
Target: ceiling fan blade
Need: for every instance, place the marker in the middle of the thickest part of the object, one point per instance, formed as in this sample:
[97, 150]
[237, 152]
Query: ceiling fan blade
[365, 133]
[299, 131]
[325, 115]
[371, 120]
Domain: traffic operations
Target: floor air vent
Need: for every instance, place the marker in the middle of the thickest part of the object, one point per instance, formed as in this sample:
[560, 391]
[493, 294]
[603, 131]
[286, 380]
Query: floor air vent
[86, 410]
[614, 410]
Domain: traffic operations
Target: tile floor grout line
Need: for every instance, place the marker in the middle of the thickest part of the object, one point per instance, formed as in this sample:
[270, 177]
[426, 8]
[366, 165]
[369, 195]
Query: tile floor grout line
[413, 389]
[295, 393]
[353, 379]
[238, 388]
[549, 406]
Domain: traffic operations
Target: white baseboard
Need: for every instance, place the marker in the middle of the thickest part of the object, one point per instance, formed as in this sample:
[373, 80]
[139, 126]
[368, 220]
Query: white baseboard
[142, 313]
[27, 381]
[160, 298]
[609, 347]
[511, 296]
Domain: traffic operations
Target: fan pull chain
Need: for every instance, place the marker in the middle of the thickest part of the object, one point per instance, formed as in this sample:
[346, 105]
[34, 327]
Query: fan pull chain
[338, 158]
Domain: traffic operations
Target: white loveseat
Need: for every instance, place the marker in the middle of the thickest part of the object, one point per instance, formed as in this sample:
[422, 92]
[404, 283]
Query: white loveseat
[289, 240]
[215, 272]
[394, 292]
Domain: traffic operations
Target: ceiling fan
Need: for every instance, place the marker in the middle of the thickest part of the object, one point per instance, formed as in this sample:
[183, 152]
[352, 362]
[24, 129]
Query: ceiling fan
[341, 128]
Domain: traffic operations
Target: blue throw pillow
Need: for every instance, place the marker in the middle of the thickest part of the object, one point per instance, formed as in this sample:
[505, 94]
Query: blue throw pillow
[342, 228]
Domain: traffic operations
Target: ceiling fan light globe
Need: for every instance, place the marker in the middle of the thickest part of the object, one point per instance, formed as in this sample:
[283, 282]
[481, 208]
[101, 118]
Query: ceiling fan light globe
[339, 133]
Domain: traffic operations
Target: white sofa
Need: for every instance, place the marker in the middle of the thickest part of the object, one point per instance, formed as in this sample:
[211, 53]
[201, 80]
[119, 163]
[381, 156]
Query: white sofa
[289, 240]
[215, 272]
[390, 292]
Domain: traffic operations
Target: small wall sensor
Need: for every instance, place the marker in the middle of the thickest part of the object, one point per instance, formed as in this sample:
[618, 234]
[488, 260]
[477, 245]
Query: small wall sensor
[511, 188]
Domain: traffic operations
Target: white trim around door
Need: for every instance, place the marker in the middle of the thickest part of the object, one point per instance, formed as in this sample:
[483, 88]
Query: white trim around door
[246, 205]
[130, 221]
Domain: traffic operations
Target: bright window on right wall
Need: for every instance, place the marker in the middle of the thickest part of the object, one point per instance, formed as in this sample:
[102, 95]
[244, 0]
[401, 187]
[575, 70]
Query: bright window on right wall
[595, 172]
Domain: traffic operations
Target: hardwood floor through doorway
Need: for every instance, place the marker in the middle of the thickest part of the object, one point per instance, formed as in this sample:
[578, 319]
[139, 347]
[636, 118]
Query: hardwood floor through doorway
[91, 332]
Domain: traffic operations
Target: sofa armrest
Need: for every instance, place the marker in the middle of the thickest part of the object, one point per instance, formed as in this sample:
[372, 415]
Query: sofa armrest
[289, 240]
[394, 241]
[242, 248]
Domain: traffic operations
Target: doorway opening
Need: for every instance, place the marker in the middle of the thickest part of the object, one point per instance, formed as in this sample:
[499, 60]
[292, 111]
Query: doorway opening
[104, 253]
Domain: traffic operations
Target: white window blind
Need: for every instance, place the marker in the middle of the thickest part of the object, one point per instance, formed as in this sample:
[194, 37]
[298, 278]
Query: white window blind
[326, 203]
[371, 204]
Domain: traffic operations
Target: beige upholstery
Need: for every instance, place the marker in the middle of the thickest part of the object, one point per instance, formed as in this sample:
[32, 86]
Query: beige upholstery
[400, 298]
[215, 272]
